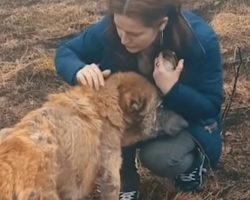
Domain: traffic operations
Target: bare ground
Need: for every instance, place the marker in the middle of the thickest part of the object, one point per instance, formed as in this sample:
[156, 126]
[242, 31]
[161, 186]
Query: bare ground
[30, 31]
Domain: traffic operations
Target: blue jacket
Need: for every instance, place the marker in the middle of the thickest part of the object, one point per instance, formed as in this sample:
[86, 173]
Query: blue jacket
[198, 94]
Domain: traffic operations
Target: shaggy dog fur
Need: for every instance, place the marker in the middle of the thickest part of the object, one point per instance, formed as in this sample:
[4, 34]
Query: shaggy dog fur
[57, 151]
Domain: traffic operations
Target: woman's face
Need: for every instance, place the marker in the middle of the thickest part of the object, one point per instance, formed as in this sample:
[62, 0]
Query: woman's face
[134, 35]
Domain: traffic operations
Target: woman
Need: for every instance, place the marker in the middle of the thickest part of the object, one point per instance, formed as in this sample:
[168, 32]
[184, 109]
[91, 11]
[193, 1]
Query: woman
[130, 37]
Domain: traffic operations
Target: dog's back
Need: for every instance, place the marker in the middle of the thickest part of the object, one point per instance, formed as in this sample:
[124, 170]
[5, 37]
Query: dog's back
[57, 149]
[22, 165]
[50, 141]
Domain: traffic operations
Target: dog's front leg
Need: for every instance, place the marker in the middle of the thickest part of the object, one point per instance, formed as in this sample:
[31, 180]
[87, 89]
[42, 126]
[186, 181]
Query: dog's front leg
[110, 184]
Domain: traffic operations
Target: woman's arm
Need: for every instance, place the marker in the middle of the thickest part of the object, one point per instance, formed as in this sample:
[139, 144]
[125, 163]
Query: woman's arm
[75, 54]
[204, 99]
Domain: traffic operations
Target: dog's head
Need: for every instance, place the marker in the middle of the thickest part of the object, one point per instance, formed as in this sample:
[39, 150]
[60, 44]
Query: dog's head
[140, 102]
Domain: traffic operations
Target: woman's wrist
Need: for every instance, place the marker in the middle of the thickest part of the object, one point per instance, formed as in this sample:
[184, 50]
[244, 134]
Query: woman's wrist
[165, 89]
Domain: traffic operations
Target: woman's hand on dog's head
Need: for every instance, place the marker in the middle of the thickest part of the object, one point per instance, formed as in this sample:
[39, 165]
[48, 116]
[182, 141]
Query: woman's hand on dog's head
[92, 76]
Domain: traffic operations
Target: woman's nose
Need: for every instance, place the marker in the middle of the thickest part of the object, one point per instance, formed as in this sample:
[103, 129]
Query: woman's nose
[124, 38]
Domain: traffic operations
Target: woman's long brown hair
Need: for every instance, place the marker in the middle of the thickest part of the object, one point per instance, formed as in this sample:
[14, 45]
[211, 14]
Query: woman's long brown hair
[176, 34]
[150, 12]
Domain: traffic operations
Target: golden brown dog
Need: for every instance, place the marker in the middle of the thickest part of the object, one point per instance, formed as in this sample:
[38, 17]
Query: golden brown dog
[56, 151]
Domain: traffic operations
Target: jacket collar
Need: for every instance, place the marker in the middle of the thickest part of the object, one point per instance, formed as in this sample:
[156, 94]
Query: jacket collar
[194, 49]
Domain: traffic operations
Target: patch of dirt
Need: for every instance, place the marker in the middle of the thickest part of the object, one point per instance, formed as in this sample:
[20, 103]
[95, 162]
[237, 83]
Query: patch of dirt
[26, 90]
[30, 30]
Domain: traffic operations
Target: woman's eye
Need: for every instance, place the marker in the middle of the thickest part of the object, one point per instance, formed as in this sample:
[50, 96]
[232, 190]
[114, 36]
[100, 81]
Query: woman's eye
[135, 34]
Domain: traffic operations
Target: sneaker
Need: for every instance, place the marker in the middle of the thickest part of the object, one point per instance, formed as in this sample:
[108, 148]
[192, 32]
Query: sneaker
[191, 181]
[132, 195]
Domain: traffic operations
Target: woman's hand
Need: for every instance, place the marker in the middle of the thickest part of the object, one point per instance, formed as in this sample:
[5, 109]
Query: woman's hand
[165, 78]
[92, 76]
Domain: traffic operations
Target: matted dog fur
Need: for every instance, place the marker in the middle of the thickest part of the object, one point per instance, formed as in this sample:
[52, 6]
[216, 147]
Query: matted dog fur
[57, 151]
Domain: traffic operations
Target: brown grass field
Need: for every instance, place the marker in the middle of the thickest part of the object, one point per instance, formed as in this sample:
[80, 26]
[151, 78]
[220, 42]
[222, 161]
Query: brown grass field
[31, 30]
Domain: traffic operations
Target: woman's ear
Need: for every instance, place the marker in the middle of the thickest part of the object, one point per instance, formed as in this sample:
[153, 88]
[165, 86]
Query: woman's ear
[163, 23]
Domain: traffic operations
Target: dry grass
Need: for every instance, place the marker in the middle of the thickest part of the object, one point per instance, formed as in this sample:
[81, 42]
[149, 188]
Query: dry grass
[50, 20]
[231, 21]
[242, 93]
[30, 30]
[186, 197]
[22, 28]
[233, 28]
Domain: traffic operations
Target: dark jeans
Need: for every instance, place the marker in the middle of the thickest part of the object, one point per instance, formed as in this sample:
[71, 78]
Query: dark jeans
[165, 156]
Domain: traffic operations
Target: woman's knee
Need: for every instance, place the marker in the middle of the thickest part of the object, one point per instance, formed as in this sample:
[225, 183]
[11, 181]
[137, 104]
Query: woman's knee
[165, 162]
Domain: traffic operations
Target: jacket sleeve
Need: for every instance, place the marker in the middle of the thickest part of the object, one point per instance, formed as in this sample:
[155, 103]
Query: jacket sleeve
[203, 99]
[75, 54]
